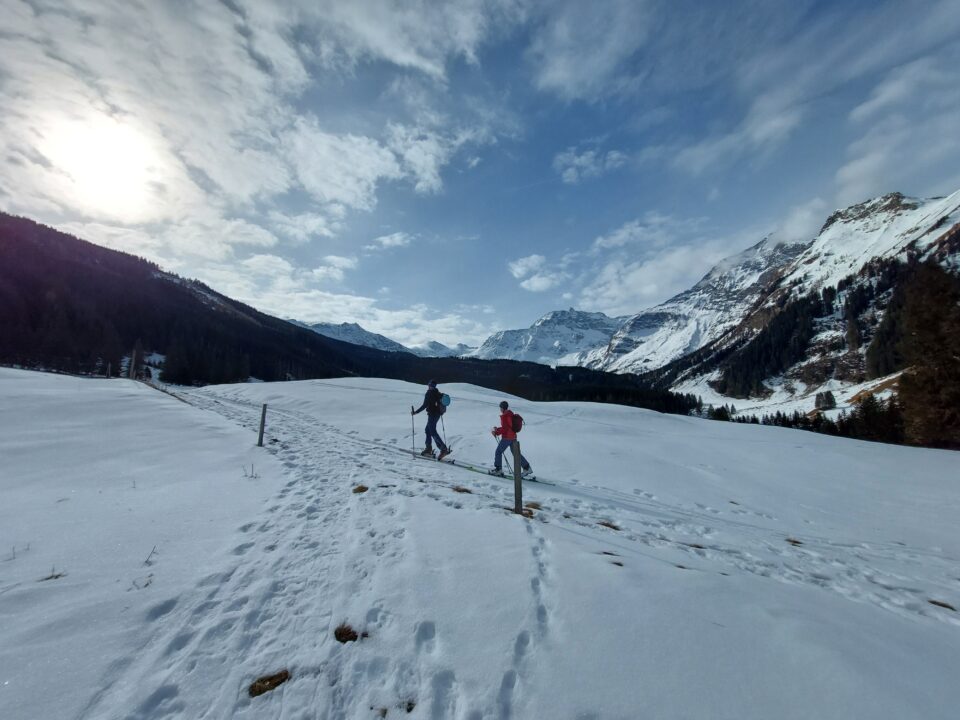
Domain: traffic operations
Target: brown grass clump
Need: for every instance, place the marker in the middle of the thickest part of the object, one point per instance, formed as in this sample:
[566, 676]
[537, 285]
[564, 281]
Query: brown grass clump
[461, 489]
[268, 682]
[608, 524]
[794, 542]
[360, 489]
[409, 705]
[344, 633]
[940, 603]
[532, 505]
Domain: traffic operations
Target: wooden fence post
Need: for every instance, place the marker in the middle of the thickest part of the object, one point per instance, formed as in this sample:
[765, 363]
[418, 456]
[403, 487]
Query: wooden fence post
[263, 422]
[517, 485]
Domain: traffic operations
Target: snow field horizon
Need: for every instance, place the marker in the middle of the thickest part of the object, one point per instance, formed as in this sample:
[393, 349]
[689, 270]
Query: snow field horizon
[754, 571]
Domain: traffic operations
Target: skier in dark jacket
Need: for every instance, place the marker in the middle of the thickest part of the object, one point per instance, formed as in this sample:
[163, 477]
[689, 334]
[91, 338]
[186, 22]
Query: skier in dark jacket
[507, 438]
[433, 404]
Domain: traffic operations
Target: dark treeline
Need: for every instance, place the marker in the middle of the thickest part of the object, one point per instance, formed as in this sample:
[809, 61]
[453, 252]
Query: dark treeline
[872, 419]
[72, 306]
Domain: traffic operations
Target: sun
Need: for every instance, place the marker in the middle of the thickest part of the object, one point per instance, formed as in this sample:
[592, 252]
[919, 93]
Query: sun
[109, 167]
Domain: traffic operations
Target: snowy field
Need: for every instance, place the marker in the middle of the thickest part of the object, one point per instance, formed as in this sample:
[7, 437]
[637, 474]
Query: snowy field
[146, 571]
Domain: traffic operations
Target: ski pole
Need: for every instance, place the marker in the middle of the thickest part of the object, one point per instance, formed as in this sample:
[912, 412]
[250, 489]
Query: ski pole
[413, 433]
[444, 428]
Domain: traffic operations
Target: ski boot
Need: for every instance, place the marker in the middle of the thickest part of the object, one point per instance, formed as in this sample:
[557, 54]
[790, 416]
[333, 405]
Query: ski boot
[444, 453]
[427, 452]
[496, 471]
[527, 473]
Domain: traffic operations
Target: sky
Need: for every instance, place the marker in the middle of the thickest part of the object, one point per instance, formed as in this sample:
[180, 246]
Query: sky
[444, 170]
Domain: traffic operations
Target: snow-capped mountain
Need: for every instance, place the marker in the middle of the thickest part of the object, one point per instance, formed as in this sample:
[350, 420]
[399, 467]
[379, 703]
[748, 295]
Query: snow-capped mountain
[353, 333]
[558, 338]
[438, 349]
[695, 317]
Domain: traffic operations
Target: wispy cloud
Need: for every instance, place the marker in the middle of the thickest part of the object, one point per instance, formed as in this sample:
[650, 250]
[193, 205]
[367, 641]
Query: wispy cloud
[574, 167]
[524, 266]
[907, 128]
[648, 260]
[580, 50]
[393, 240]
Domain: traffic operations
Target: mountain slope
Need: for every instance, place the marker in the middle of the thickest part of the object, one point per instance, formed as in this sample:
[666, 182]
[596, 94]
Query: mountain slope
[697, 316]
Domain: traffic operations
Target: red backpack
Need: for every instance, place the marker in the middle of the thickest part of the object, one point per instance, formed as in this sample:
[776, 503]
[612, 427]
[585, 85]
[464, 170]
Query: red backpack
[516, 423]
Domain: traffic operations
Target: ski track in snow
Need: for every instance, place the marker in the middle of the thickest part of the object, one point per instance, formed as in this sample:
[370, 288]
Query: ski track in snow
[318, 543]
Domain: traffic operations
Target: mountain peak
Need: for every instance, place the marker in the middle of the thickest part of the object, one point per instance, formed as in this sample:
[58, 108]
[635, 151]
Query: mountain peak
[894, 202]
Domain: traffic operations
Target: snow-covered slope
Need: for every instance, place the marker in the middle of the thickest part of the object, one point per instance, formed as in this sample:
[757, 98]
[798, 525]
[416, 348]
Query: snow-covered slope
[353, 333]
[885, 227]
[680, 568]
[696, 316]
[557, 338]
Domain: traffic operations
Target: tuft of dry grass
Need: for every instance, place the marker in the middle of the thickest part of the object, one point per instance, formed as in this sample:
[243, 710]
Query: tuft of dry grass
[344, 633]
[608, 524]
[409, 705]
[607, 552]
[940, 603]
[617, 563]
[54, 575]
[794, 541]
[532, 505]
[461, 489]
[268, 682]
[360, 489]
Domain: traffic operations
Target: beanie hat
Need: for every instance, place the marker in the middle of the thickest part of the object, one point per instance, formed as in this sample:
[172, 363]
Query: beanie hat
[504, 405]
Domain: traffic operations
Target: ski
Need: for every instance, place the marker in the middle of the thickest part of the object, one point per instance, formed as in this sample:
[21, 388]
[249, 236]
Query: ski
[473, 468]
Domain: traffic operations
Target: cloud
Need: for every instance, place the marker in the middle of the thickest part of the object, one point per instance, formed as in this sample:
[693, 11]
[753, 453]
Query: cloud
[580, 50]
[781, 81]
[803, 222]
[543, 281]
[525, 265]
[650, 259]
[393, 240]
[269, 265]
[654, 229]
[907, 132]
[334, 268]
[574, 167]
[342, 169]
[623, 286]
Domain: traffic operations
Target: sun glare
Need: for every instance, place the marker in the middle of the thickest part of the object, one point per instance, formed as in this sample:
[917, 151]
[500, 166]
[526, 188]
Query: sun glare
[110, 166]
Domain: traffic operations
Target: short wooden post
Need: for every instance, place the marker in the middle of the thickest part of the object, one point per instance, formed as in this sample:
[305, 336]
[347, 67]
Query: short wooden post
[263, 422]
[517, 485]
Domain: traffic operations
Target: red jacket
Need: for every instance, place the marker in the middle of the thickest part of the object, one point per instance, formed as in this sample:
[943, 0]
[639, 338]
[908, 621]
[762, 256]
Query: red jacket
[505, 430]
